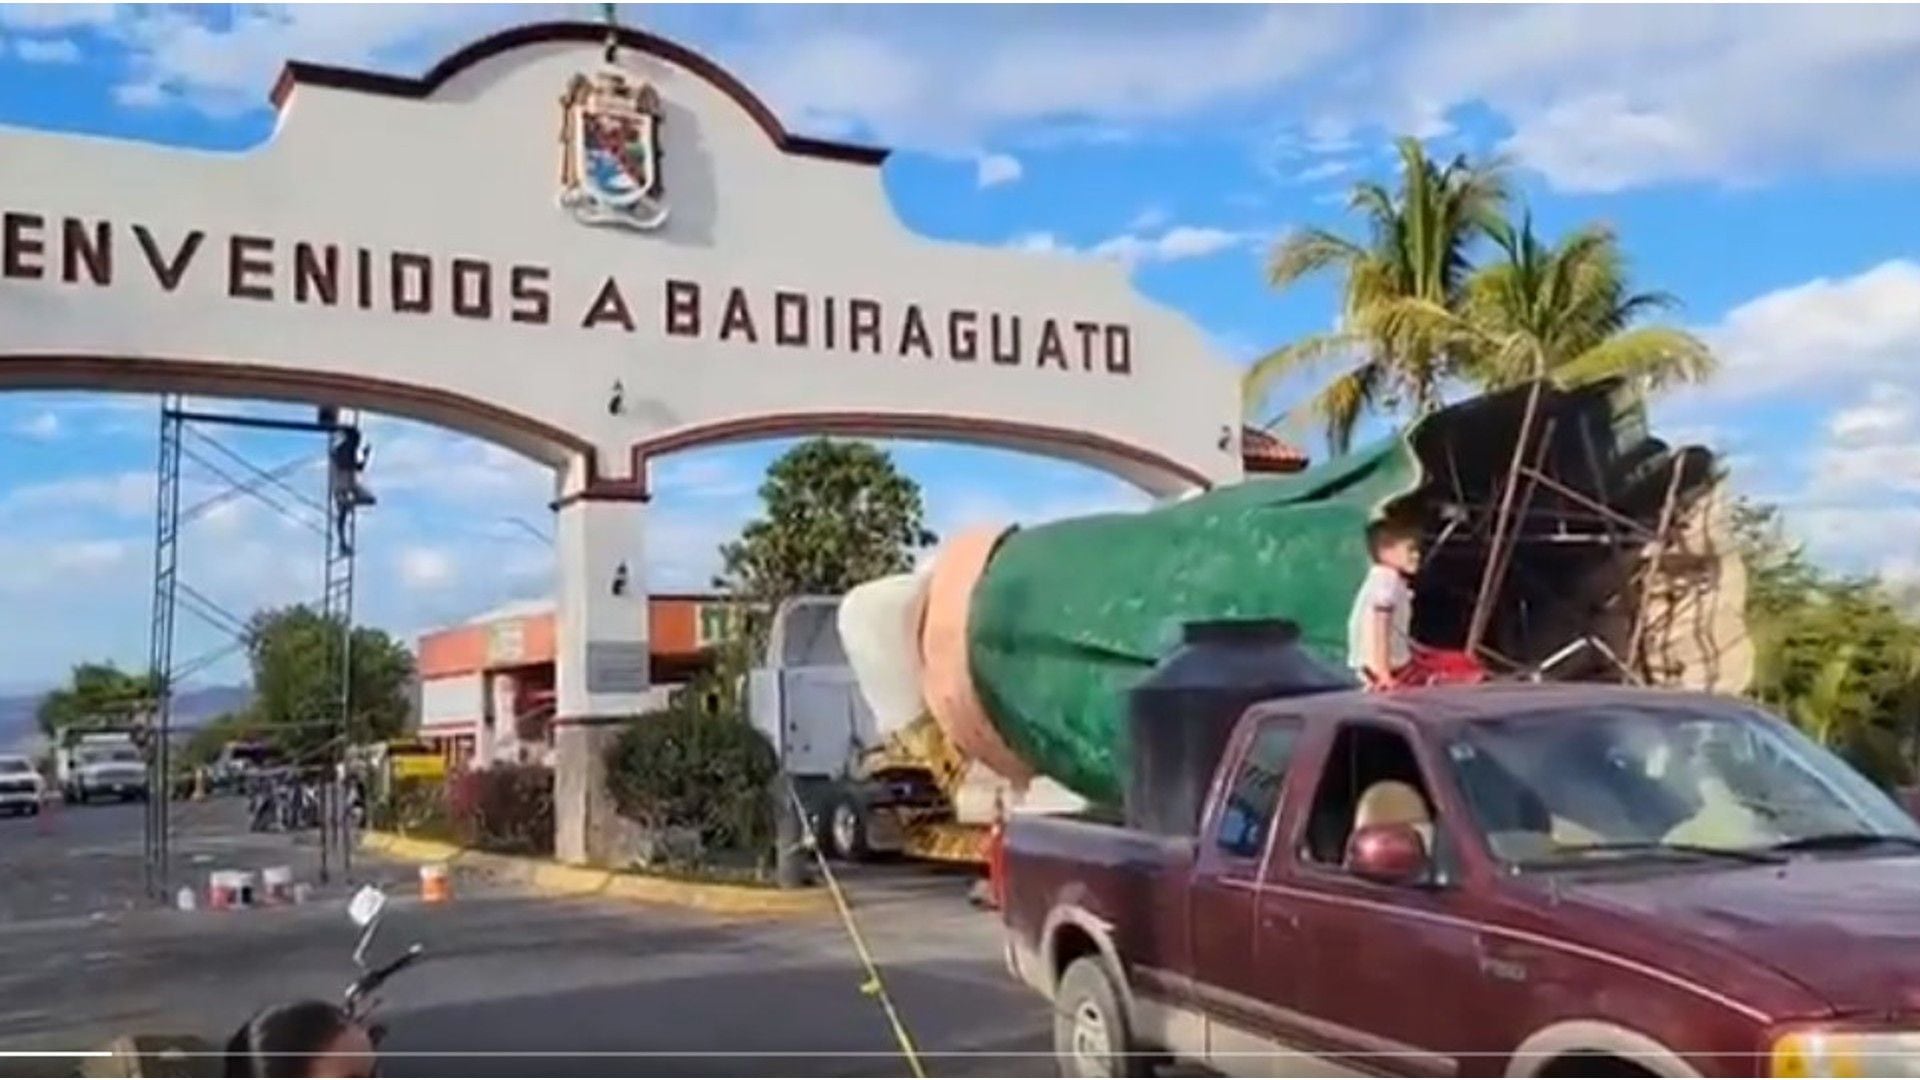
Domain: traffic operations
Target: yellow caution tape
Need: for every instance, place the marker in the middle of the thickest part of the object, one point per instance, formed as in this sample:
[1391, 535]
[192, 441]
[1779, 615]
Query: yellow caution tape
[873, 987]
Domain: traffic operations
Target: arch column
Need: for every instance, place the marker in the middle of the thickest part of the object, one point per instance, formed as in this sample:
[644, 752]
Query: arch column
[601, 677]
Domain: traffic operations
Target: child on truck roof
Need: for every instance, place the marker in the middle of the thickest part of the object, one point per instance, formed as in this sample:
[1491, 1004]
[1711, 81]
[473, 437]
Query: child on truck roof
[1380, 645]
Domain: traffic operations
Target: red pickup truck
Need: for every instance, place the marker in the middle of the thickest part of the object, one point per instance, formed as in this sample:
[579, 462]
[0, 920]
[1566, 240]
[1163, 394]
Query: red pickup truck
[1521, 881]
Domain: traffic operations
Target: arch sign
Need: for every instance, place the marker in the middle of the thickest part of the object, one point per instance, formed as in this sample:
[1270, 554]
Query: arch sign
[591, 262]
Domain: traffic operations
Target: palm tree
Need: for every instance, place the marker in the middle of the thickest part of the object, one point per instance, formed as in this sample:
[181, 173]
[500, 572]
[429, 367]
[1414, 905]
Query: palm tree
[1416, 252]
[1563, 313]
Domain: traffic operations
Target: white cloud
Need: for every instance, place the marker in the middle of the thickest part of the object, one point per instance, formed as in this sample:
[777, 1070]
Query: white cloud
[223, 64]
[415, 460]
[1602, 142]
[124, 493]
[1039, 243]
[1889, 412]
[140, 95]
[423, 567]
[1148, 219]
[942, 79]
[706, 476]
[1601, 99]
[1325, 170]
[47, 50]
[46, 18]
[29, 567]
[997, 169]
[43, 426]
[1828, 329]
[1873, 448]
[1596, 98]
[1176, 244]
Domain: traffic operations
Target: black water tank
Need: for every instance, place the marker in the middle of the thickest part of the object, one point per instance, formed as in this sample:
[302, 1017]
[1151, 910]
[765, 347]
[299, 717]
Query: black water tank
[1180, 717]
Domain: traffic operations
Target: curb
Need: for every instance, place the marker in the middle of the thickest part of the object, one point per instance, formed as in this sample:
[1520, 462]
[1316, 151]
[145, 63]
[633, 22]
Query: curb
[557, 879]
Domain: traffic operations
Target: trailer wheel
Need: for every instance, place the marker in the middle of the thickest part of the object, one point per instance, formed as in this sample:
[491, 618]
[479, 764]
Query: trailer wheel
[847, 830]
[1091, 1036]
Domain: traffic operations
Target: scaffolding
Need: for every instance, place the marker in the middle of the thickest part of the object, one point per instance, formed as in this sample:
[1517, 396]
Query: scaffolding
[1586, 543]
[185, 438]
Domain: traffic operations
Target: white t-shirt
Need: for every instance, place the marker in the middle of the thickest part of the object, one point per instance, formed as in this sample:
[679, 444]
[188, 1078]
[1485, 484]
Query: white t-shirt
[1383, 590]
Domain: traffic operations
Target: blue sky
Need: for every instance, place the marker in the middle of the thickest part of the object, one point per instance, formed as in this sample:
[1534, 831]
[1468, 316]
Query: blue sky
[1762, 164]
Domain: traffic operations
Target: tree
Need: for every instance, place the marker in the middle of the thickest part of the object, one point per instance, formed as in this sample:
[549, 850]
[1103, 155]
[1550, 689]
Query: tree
[1563, 312]
[204, 746]
[834, 513]
[295, 699]
[1417, 250]
[1835, 655]
[96, 695]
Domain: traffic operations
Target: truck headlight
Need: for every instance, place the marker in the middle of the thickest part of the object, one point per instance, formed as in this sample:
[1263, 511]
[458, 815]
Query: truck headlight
[1840, 1052]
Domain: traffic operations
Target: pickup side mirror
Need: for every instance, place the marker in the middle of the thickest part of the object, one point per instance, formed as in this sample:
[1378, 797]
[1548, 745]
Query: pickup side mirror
[1389, 854]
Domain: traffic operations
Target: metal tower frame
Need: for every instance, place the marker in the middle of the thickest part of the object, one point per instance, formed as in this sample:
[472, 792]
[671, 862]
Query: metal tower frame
[171, 595]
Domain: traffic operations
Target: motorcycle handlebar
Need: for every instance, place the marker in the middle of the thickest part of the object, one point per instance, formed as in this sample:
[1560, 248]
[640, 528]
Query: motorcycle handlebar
[374, 979]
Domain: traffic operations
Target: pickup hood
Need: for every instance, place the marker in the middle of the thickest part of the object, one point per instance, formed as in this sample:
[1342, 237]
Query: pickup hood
[1846, 928]
[114, 774]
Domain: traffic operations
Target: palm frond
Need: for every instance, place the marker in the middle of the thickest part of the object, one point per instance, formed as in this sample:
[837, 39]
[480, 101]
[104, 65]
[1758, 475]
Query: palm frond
[1340, 404]
[1307, 252]
[1290, 359]
[1652, 356]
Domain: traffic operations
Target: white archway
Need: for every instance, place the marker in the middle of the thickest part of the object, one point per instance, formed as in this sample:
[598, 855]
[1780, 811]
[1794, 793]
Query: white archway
[437, 248]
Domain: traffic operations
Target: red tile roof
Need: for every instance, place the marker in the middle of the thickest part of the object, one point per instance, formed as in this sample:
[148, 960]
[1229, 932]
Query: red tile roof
[1261, 452]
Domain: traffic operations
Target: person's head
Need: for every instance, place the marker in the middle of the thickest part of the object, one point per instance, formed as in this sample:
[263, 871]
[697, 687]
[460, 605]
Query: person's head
[1394, 545]
[304, 1039]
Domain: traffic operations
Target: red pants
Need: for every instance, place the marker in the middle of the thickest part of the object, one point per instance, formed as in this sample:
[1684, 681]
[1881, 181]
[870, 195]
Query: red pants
[1440, 667]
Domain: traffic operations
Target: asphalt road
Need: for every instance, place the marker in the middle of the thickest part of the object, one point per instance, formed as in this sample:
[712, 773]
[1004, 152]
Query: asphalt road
[88, 860]
[514, 985]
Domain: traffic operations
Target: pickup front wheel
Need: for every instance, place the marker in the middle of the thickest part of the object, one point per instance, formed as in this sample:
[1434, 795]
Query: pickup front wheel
[1090, 1032]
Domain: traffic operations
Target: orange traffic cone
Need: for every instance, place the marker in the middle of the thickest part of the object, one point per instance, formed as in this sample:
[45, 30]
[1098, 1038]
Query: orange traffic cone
[435, 886]
[996, 861]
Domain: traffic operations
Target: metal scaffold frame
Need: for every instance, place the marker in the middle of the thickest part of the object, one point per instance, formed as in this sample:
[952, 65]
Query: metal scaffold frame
[181, 440]
[1539, 502]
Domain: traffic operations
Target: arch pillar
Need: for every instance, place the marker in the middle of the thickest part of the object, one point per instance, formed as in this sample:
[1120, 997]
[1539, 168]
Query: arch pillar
[601, 677]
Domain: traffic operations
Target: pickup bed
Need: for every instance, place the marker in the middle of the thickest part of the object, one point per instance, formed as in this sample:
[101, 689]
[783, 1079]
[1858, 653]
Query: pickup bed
[1528, 881]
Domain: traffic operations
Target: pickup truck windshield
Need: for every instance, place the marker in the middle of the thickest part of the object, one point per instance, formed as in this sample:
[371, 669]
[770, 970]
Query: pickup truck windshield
[1618, 782]
[15, 766]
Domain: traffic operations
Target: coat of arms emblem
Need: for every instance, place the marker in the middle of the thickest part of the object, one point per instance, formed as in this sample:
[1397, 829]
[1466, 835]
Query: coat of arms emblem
[610, 151]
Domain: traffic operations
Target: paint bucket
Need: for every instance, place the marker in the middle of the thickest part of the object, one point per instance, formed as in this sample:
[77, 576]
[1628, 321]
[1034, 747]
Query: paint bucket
[222, 891]
[184, 899]
[302, 892]
[435, 888]
[276, 885]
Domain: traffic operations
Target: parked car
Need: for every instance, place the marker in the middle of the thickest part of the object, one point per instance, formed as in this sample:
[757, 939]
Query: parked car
[238, 762]
[21, 786]
[104, 770]
[1530, 881]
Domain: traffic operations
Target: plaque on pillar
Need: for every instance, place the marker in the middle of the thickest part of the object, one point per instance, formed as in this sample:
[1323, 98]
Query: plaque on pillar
[616, 667]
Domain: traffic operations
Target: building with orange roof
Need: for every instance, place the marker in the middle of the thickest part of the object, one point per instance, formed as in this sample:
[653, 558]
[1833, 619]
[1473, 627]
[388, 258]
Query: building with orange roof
[487, 685]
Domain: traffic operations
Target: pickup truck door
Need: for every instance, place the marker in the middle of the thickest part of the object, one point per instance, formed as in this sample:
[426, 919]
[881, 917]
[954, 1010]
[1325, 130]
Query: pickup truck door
[1389, 971]
[1233, 961]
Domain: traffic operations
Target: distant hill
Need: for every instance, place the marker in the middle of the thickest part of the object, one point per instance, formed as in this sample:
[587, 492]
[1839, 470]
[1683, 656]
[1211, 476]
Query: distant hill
[192, 706]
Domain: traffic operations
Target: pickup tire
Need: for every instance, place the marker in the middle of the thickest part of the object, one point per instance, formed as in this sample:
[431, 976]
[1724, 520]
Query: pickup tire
[1091, 1036]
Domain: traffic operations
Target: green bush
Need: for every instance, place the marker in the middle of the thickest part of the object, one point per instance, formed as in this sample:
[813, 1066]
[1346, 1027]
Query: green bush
[415, 808]
[503, 808]
[679, 770]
